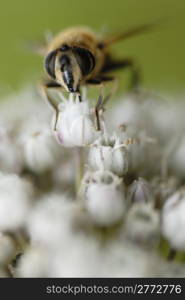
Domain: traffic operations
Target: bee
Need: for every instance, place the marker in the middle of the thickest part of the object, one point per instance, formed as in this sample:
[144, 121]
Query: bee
[77, 56]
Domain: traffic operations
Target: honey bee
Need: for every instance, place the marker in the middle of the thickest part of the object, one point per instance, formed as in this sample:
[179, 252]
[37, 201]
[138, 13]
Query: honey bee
[77, 56]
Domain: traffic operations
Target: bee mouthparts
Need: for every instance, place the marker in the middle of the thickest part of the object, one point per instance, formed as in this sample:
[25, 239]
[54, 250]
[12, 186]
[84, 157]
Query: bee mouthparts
[72, 90]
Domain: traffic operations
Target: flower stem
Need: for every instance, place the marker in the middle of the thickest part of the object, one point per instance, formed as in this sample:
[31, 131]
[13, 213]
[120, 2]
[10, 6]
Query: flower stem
[171, 255]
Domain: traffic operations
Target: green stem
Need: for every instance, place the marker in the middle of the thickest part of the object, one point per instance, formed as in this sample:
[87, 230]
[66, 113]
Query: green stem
[171, 255]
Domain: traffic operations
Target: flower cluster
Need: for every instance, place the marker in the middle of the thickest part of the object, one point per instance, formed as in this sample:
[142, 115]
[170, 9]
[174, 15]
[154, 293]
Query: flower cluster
[91, 192]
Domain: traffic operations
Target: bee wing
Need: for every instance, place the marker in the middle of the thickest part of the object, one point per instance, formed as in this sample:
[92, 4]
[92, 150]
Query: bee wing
[35, 47]
[128, 33]
[39, 47]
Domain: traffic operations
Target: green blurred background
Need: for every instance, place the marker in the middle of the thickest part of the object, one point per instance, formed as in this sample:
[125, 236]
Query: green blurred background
[160, 53]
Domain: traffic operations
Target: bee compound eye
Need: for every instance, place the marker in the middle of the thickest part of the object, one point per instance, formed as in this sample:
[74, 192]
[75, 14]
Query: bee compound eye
[85, 59]
[50, 63]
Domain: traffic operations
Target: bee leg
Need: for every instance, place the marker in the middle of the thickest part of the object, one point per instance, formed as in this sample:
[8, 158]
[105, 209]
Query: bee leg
[79, 95]
[94, 81]
[97, 82]
[43, 87]
[52, 84]
[98, 107]
[113, 65]
[114, 81]
[135, 80]
[101, 81]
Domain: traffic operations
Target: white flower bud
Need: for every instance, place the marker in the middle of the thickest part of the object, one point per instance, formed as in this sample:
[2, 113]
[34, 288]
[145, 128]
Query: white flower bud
[72, 257]
[125, 259]
[142, 225]
[139, 192]
[105, 201]
[128, 111]
[144, 154]
[74, 125]
[111, 155]
[165, 118]
[33, 263]
[49, 222]
[173, 220]
[10, 156]
[40, 150]
[15, 201]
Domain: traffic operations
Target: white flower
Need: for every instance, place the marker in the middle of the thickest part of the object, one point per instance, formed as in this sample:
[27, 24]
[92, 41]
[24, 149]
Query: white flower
[87, 256]
[40, 151]
[74, 126]
[17, 108]
[171, 270]
[142, 225]
[165, 118]
[49, 223]
[109, 154]
[79, 256]
[145, 155]
[33, 263]
[139, 192]
[104, 198]
[114, 229]
[10, 155]
[123, 259]
[173, 220]
[128, 111]
[15, 201]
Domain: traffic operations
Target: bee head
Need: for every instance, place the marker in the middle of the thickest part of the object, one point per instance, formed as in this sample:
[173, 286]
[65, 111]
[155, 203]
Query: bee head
[69, 65]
